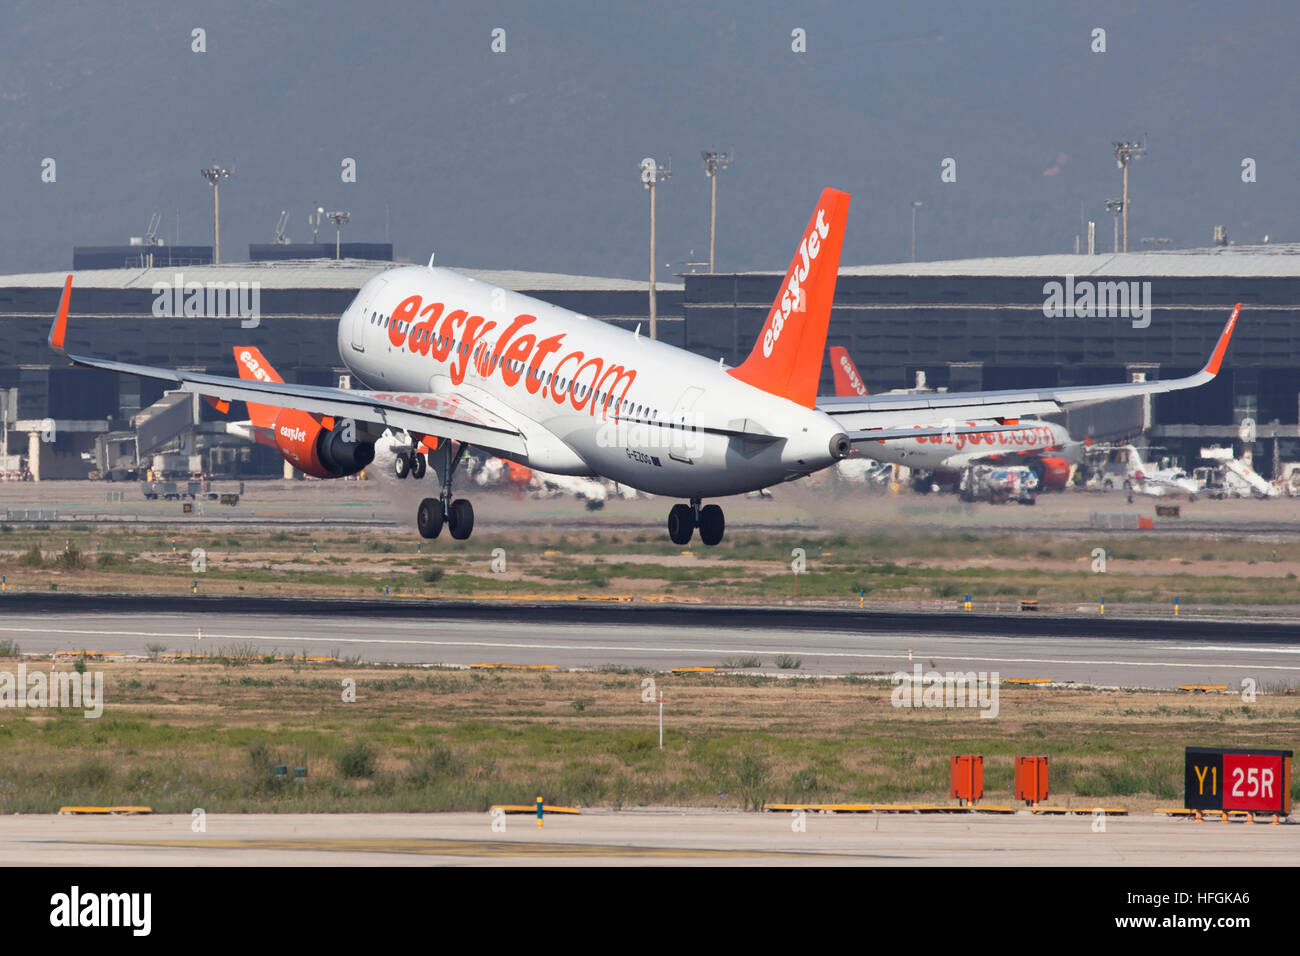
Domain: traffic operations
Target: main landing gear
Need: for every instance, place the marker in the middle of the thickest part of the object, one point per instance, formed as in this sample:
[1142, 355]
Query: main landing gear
[684, 519]
[433, 513]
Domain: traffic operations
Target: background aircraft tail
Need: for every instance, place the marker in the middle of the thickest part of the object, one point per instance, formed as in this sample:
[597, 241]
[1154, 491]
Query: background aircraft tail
[252, 364]
[787, 358]
[847, 379]
[1136, 466]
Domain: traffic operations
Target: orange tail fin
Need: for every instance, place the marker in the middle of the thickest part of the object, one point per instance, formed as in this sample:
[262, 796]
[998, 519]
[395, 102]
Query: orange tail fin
[847, 379]
[787, 358]
[252, 364]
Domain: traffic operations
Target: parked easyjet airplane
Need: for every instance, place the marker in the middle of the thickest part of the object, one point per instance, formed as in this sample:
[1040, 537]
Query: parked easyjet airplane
[1044, 447]
[459, 364]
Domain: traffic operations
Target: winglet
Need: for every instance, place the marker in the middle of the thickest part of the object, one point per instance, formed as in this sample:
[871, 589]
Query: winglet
[1216, 358]
[59, 330]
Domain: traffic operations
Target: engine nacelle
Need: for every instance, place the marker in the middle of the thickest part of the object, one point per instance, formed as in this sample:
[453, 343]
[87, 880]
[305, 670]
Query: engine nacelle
[1056, 473]
[316, 450]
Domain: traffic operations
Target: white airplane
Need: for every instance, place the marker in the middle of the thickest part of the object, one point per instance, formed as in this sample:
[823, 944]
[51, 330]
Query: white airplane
[1044, 447]
[458, 363]
[1243, 476]
[1147, 478]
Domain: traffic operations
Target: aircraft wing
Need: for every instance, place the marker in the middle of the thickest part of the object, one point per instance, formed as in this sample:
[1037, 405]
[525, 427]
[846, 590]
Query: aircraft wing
[868, 418]
[448, 417]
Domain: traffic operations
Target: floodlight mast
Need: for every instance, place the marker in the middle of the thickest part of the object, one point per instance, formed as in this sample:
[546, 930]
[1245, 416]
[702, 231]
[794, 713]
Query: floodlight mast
[1125, 152]
[1115, 207]
[651, 173]
[916, 204]
[714, 161]
[339, 218]
[214, 174]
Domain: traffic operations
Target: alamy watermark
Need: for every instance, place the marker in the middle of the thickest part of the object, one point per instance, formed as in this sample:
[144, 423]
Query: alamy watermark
[1086, 299]
[642, 438]
[75, 908]
[62, 689]
[209, 300]
[950, 689]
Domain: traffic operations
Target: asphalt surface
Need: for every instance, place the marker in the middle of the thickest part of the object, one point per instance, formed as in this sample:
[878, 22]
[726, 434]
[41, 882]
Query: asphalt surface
[1161, 653]
[640, 838]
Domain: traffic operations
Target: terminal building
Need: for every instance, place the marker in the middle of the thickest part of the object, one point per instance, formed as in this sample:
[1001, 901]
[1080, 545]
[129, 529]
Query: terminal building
[960, 325]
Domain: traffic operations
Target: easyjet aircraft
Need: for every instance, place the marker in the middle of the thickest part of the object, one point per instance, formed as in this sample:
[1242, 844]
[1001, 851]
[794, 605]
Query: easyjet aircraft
[1044, 447]
[457, 364]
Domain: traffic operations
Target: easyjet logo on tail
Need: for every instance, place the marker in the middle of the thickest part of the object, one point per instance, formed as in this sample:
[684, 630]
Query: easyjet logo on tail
[252, 364]
[789, 352]
[254, 367]
[855, 383]
[793, 297]
[847, 380]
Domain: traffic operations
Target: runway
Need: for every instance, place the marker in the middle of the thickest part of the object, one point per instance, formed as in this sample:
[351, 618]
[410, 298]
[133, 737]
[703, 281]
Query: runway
[638, 838]
[1104, 652]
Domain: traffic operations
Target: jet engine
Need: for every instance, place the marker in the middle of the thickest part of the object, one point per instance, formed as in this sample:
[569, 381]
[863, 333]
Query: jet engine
[319, 451]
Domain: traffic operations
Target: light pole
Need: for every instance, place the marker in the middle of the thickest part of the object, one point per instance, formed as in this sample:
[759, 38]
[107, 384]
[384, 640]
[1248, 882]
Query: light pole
[651, 173]
[1125, 152]
[1115, 207]
[214, 174]
[339, 219]
[916, 204]
[713, 162]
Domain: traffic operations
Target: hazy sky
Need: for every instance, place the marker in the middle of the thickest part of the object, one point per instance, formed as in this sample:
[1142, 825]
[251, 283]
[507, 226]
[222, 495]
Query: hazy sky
[528, 158]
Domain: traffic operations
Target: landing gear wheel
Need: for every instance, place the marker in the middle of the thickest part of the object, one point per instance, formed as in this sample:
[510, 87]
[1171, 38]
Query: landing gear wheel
[418, 465]
[428, 519]
[460, 519]
[681, 524]
[401, 465]
[712, 524]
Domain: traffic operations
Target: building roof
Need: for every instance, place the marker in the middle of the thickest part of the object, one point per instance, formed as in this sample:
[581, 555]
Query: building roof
[318, 274]
[1279, 260]
[1259, 261]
